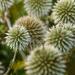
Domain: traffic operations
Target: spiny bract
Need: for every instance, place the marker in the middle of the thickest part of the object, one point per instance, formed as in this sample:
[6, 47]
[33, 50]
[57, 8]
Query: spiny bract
[45, 61]
[2, 69]
[64, 11]
[61, 37]
[18, 38]
[38, 8]
[5, 4]
[35, 28]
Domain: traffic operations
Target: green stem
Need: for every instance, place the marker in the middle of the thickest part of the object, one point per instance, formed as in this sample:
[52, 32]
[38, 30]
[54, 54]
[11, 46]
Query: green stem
[22, 54]
[11, 63]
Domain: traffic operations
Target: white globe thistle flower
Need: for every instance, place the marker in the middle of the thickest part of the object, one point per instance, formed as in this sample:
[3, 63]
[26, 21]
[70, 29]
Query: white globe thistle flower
[5, 4]
[2, 69]
[61, 37]
[64, 11]
[38, 8]
[35, 28]
[18, 38]
[45, 61]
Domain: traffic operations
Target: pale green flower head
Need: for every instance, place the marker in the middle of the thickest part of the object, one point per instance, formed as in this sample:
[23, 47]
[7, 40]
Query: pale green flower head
[18, 38]
[45, 61]
[38, 8]
[5, 4]
[61, 37]
[64, 11]
[35, 27]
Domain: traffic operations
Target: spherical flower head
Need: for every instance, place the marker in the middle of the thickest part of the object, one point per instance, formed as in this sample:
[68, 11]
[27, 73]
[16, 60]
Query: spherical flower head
[35, 28]
[5, 4]
[38, 8]
[1, 69]
[61, 37]
[64, 11]
[18, 38]
[45, 61]
[70, 27]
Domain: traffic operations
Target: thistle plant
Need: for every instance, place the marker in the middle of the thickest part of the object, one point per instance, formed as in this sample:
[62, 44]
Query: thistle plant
[38, 8]
[1, 69]
[18, 38]
[5, 4]
[61, 37]
[40, 33]
[35, 28]
[64, 11]
[45, 61]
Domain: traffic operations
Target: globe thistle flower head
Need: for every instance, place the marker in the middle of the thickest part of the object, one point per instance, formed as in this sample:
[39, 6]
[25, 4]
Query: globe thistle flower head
[5, 4]
[61, 37]
[45, 61]
[64, 11]
[18, 38]
[38, 8]
[2, 69]
[35, 28]
[70, 27]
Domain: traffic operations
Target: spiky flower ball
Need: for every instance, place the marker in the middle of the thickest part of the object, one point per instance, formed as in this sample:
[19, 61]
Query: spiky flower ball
[5, 4]
[64, 11]
[45, 61]
[1, 69]
[61, 37]
[38, 7]
[35, 28]
[70, 27]
[18, 38]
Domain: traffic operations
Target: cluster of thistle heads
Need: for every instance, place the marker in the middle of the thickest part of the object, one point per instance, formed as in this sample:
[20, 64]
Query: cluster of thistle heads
[47, 45]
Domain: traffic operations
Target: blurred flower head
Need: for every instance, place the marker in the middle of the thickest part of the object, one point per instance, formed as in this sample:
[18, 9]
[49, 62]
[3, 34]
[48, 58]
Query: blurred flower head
[45, 61]
[5, 4]
[38, 8]
[2, 69]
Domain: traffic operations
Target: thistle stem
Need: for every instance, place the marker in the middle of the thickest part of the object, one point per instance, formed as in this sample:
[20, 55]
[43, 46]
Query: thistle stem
[7, 19]
[11, 63]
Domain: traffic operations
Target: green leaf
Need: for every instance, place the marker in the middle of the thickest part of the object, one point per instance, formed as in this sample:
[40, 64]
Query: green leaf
[17, 11]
